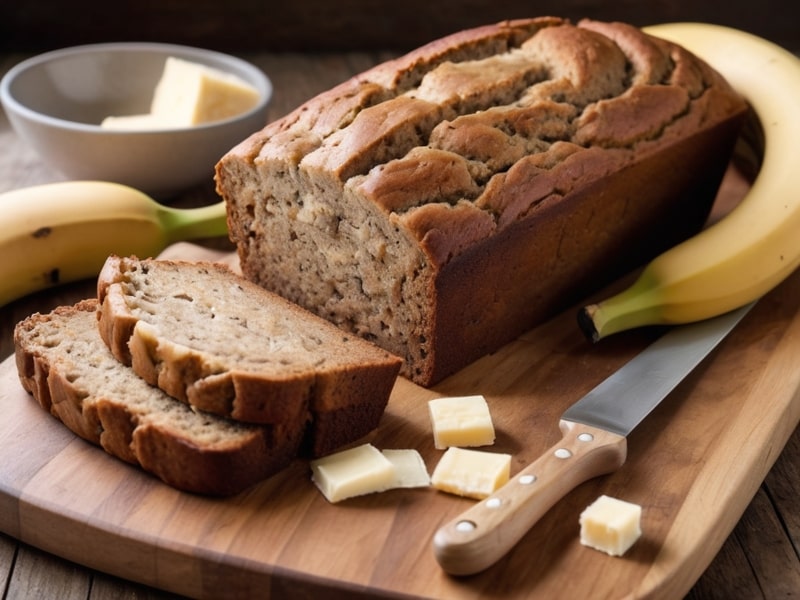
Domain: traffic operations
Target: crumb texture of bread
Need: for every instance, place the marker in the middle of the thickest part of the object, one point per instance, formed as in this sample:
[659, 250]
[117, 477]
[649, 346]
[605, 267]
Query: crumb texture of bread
[444, 202]
[67, 367]
[224, 345]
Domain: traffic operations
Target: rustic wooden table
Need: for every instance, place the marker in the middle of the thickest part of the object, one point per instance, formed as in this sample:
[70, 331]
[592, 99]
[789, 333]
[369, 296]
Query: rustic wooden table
[760, 559]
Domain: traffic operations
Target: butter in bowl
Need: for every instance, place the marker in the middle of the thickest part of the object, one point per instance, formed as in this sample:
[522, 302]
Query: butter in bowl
[153, 116]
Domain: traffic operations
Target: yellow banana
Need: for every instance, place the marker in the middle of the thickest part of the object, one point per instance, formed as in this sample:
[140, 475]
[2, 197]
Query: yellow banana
[61, 232]
[755, 246]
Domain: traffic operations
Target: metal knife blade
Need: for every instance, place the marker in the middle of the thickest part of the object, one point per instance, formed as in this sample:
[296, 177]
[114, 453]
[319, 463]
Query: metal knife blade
[594, 443]
[623, 400]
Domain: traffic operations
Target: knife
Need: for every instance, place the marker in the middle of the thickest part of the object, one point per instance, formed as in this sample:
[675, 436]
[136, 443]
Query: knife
[594, 431]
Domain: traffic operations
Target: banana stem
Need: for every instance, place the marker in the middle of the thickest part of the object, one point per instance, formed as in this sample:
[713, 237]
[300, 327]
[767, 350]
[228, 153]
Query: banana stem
[191, 223]
[633, 307]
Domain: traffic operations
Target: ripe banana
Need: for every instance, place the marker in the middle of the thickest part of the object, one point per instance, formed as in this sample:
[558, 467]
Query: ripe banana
[757, 245]
[61, 232]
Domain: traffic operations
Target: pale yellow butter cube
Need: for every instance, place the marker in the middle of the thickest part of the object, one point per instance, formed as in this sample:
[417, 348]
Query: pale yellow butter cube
[471, 473]
[410, 470]
[353, 472]
[189, 93]
[611, 525]
[461, 421]
[136, 123]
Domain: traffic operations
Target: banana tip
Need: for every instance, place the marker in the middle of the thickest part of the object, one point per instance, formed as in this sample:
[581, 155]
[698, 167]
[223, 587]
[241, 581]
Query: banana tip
[586, 324]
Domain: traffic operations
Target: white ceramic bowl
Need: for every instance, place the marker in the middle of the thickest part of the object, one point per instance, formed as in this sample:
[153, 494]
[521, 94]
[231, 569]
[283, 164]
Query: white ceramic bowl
[57, 100]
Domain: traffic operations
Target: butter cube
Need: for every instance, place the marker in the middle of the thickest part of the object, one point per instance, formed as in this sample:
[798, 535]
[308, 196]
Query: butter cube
[190, 94]
[353, 472]
[461, 421]
[136, 122]
[611, 525]
[410, 470]
[471, 473]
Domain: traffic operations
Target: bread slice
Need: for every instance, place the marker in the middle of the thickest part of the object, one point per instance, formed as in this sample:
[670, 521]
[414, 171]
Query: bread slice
[69, 370]
[227, 346]
[443, 203]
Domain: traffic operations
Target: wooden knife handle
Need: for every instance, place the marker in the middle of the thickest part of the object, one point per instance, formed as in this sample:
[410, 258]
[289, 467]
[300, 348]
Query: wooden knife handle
[482, 535]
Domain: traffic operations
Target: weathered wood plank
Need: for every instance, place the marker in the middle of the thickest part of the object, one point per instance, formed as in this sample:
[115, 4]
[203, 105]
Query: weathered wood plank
[106, 587]
[772, 558]
[729, 571]
[38, 574]
[8, 549]
[783, 487]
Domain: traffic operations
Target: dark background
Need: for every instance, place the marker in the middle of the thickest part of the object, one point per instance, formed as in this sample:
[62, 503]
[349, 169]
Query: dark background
[319, 25]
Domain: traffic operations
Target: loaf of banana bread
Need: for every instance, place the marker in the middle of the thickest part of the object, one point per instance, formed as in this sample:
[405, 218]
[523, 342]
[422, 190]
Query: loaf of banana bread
[444, 202]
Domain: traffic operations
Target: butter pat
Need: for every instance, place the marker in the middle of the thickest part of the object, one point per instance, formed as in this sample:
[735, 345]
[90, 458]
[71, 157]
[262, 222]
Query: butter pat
[190, 94]
[611, 525]
[353, 472]
[409, 468]
[461, 421]
[135, 122]
[471, 473]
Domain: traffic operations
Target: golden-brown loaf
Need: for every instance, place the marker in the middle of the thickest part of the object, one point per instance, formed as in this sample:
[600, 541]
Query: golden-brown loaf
[442, 203]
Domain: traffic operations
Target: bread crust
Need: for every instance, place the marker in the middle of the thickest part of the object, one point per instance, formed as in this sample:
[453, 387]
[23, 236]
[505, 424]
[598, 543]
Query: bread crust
[481, 183]
[71, 388]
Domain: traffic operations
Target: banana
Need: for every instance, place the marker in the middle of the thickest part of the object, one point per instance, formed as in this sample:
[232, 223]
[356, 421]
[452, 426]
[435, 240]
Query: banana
[62, 232]
[757, 245]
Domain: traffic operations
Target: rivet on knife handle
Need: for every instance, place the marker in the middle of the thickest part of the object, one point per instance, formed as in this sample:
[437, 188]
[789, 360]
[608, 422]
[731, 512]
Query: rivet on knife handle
[483, 534]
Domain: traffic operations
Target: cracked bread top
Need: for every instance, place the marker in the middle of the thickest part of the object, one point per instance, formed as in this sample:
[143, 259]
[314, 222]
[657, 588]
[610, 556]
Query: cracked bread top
[446, 139]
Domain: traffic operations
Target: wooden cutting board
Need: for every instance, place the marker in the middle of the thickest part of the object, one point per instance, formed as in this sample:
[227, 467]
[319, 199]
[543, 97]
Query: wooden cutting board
[693, 465]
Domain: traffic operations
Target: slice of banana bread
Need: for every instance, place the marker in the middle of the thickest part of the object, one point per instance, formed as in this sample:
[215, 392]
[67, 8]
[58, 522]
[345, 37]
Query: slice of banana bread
[443, 203]
[225, 345]
[69, 370]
